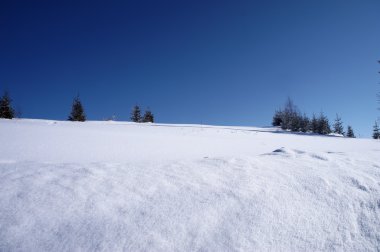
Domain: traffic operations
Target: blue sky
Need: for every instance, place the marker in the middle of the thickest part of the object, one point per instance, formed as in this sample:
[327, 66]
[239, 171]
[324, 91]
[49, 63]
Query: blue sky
[215, 62]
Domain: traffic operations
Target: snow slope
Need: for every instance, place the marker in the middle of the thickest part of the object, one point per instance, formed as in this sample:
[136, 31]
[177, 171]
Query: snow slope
[113, 186]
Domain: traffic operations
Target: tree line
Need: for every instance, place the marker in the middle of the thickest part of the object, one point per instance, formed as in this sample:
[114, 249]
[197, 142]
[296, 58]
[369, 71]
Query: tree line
[290, 118]
[77, 111]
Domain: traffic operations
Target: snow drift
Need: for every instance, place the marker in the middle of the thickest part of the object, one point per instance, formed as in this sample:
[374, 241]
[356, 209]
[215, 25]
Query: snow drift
[113, 186]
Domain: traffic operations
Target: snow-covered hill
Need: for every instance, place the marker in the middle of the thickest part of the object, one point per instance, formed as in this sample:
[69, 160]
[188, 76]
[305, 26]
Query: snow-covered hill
[113, 186]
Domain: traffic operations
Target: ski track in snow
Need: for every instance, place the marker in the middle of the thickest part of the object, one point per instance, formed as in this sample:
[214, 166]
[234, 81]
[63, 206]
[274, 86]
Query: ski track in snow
[99, 186]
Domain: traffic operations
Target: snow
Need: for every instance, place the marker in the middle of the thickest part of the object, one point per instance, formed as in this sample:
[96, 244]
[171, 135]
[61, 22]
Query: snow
[116, 186]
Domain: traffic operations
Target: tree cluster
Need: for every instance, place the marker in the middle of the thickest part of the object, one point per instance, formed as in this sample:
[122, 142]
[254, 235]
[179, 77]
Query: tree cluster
[77, 113]
[136, 115]
[290, 118]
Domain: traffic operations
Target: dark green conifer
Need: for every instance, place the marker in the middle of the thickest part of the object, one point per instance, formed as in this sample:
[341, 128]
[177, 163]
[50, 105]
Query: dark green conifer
[77, 111]
[148, 116]
[323, 125]
[338, 126]
[6, 110]
[136, 114]
[314, 124]
[277, 118]
[350, 132]
[304, 123]
[376, 131]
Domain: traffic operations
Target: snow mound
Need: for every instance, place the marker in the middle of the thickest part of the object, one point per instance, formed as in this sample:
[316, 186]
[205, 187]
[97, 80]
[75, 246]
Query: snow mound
[285, 152]
[281, 150]
[101, 186]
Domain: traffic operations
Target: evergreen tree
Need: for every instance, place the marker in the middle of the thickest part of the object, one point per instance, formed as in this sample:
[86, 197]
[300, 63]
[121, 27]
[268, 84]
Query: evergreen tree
[350, 132]
[277, 118]
[77, 111]
[6, 110]
[295, 122]
[290, 118]
[148, 116]
[323, 125]
[314, 124]
[136, 114]
[304, 123]
[376, 131]
[378, 94]
[338, 126]
[289, 115]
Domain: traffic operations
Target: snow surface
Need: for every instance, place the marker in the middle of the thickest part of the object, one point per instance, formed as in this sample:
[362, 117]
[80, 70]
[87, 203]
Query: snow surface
[114, 186]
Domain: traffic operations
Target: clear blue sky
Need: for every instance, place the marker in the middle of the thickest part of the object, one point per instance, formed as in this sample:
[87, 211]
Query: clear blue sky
[216, 62]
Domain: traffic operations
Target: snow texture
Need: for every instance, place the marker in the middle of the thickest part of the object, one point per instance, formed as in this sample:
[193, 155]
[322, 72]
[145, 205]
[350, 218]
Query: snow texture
[114, 186]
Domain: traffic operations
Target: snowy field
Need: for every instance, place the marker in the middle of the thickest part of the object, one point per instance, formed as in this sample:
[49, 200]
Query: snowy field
[112, 186]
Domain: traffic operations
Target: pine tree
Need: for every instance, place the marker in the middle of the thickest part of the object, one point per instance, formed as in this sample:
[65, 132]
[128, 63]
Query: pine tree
[295, 122]
[323, 125]
[148, 116]
[376, 131]
[77, 111]
[289, 115]
[378, 94]
[304, 123]
[350, 132]
[277, 118]
[136, 114]
[314, 124]
[6, 110]
[338, 125]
